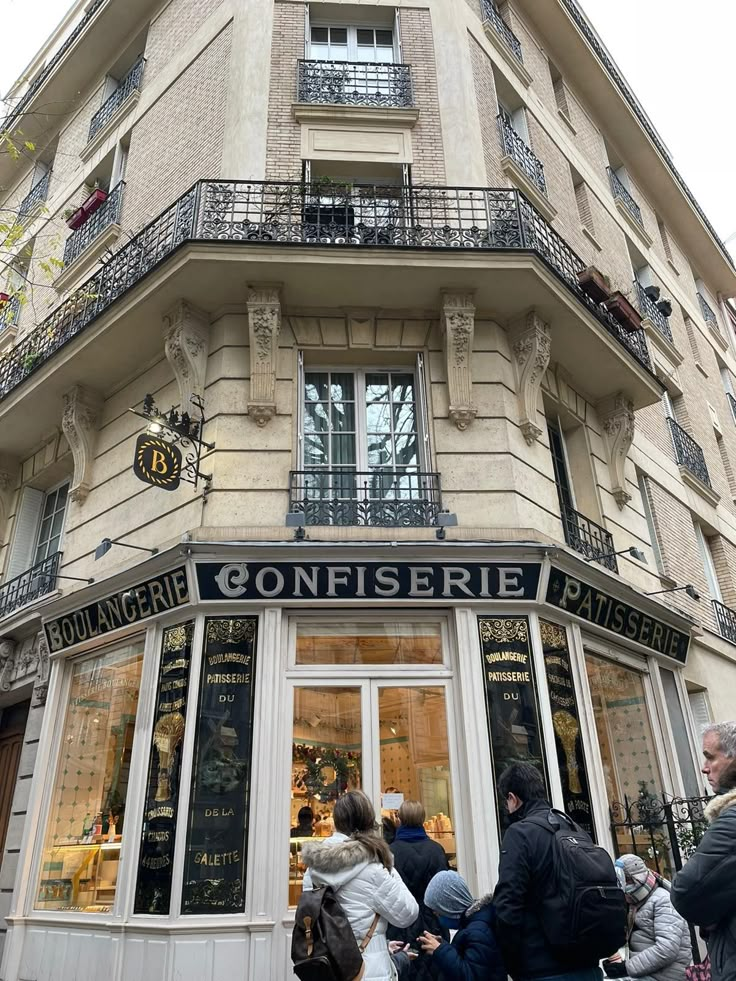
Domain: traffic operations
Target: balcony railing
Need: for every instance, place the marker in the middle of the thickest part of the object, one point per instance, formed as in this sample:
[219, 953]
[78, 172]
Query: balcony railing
[127, 86]
[30, 585]
[726, 619]
[37, 195]
[709, 314]
[524, 156]
[368, 216]
[588, 538]
[378, 498]
[622, 193]
[492, 16]
[107, 214]
[648, 308]
[355, 83]
[688, 454]
[9, 312]
[732, 403]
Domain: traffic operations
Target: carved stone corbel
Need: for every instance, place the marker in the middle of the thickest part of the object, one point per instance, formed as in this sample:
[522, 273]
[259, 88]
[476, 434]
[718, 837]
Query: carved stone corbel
[79, 422]
[458, 325]
[7, 662]
[41, 688]
[532, 342]
[617, 416]
[186, 342]
[264, 325]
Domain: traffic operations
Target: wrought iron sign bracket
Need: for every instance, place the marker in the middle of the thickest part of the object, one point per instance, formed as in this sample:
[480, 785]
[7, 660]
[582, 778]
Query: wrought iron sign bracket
[183, 431]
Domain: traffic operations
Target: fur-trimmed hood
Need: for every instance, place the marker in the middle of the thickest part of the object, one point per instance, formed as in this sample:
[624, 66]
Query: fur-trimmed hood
[336, 860]
[478, 905]
[719, 804]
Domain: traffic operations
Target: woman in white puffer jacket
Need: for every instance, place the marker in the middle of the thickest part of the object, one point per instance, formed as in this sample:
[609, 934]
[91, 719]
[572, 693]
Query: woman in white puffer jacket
[357, 863]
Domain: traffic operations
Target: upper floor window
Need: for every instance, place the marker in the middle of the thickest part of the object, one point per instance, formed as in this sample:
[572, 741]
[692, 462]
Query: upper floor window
[39, 526]
[52, 523]
[350, 43]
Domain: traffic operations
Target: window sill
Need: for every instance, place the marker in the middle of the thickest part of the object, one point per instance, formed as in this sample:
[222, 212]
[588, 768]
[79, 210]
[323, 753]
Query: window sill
[644, 236]
[591, 237]
[522, 182]
[78, 269]
[656, 338]
[509, 58]
[314, 112]
[701, 369]
[711, 496]
[101, 135]
[567, 121]
[717, 336]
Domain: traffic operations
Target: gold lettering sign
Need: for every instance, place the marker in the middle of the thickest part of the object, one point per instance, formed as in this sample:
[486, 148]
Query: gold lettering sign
[157, 462]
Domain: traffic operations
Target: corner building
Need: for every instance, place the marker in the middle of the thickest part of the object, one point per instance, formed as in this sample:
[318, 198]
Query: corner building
[448, 347]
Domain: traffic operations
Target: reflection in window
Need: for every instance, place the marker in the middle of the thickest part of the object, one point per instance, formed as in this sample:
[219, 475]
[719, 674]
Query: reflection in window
[371, 643]
[79, 868]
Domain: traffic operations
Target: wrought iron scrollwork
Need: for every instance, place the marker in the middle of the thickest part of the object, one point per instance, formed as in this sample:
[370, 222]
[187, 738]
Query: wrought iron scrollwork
[354, 83]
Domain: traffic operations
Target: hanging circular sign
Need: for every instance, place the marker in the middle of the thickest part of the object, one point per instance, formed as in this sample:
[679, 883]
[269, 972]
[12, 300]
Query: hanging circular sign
[157, 462]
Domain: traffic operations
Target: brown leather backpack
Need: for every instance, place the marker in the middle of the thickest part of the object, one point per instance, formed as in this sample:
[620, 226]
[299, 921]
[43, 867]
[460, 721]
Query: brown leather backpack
[323, 945]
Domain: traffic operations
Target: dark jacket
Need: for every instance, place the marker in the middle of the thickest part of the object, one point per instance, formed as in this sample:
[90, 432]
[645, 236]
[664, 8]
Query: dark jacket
[525, 880]
[416, 862]
[473, 954]
[704, 892]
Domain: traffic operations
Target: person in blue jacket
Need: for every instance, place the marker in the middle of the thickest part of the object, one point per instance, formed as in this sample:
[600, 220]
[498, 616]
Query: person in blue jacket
[473, 954]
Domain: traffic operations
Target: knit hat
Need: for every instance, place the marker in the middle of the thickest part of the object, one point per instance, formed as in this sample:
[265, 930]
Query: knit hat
[447, 894]
[638, 880]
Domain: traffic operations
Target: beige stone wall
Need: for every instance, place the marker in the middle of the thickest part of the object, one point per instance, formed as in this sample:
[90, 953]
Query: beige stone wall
[172, 28]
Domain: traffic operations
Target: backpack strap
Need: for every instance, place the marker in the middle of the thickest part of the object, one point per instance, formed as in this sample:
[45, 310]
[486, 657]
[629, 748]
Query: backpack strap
[553, 821]
[369, 936]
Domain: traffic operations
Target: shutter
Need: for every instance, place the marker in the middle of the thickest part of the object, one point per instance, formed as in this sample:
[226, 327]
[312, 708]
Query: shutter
[27, 521]
[423, 414]
[584, 210]
[300, 412]
[700, 709]
[397, 37]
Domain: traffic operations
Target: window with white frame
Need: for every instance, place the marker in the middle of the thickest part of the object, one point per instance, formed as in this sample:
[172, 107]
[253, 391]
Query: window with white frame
[39, 526]
[647, 505]
[351, 43]
[708, 564]
[52, 523]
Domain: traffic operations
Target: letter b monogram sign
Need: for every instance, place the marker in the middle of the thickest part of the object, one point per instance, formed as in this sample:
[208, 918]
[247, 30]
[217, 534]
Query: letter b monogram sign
[157, 462]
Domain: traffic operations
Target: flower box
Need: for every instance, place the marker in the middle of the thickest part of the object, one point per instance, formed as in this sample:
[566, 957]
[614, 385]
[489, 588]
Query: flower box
[87, 208]
[76, 220]
[624, 311]
[594, 283]
[4, 297]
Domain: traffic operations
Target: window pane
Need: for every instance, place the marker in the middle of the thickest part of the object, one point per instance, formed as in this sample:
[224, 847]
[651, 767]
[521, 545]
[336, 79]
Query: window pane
[680, 731]
[343, 451]
[338, 35]
[319, 34]
[385, 38]
[61, 495]
[315, 451]
[402, 388]
[79, 868]
[379, 452]
[365, 36]
[43, 535]
[342, 386]
[315, 417]
[379, 643]
[376, 388]
[343, 416]
[415, 759]
[325, 762]
[316, 387]
[49, 505]
[405, 451]
[56, 524]
[378, 418]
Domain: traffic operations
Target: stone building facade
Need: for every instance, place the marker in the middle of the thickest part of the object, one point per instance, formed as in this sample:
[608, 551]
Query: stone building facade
[416, 297]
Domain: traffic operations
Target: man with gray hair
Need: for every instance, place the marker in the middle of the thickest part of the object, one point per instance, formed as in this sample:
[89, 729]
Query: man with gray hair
[704, 892]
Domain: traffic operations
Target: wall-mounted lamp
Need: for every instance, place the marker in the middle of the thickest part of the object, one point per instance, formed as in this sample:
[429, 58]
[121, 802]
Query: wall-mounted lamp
[107, 543]
[445, 519]
[297, 520]
[690, 590]
[48, 576]
[635, 553]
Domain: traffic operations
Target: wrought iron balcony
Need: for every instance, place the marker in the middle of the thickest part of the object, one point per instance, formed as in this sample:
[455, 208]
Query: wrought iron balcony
[588, 538]
[648, 308]
[622, 194]
[688, 454]
[732, 403]
[37, 195]
[514, 147]
[492, 16]
[29, 585]
[709, 314]
[293, 213]
[726, 620]
[355, 83]
[381, 497]
[131, 83]
[107, 214]
[9, 312]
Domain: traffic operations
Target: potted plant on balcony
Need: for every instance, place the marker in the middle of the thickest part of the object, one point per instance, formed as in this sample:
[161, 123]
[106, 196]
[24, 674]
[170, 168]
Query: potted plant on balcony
[622, 310]
[77, 217]
[4, 297]
[593, 282]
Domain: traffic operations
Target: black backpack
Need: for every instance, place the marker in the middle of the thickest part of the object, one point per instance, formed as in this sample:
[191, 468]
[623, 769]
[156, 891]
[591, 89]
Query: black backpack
[584, 915]
[323, 945]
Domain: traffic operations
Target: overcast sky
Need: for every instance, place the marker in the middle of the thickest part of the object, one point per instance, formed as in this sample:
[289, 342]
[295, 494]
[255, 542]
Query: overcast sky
[677, 56]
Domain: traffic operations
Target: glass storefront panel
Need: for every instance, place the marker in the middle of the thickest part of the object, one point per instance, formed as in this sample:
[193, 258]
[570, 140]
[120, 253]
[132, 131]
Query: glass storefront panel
[369, 644]
[680, 729]
[79, 867]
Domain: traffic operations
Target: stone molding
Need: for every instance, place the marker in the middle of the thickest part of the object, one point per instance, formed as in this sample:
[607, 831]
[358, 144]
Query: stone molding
[79, 423]
[186, 342]
[264, 326]
[532, 342]
[617, 417]
[7, 662]
[458, 326]
[41, 688]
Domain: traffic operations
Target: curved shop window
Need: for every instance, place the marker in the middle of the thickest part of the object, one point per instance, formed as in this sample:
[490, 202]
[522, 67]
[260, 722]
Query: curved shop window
[87, 821]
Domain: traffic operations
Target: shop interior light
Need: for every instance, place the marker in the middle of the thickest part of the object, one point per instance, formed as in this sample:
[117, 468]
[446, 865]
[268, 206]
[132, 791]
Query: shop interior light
[635, 553]
[689, 589]
[107, 543]
[445, 519]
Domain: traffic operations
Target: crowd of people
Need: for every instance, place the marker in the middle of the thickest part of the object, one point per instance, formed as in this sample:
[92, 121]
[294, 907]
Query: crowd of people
[414, 918]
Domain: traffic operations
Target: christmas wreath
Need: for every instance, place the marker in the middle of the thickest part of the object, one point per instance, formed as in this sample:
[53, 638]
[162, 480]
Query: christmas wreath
[316, 760]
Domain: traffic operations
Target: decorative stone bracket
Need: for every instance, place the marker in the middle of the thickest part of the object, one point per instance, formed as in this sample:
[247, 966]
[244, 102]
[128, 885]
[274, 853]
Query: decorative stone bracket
[617, 416]
[41, 688]
[7, 662]
[79, 422]
[264, 325]
[458, 325]
[186, 342]
[532, 342]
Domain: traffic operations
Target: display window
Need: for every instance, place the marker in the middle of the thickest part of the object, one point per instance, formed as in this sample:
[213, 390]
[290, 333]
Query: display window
[86, 822]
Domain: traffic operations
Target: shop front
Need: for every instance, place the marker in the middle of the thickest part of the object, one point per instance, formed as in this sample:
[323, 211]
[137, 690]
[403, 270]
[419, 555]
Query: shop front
[205, 714]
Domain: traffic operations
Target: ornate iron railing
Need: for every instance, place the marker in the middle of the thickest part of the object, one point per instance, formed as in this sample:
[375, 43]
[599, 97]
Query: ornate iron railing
[107, 214]
[648, 308]
[688, 454]
[382, 497]
[488, 219]
[131, 83]
[726, 619]
[37, 195]
[492, 16]
[588, 538]
[29, 585]
[623, 194]
[709, 314]
[514, 147]
[9, 312]
[355, 83]
[732, 403]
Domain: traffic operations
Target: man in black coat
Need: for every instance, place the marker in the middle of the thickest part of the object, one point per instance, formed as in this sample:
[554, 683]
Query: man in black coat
[704, 892]
[525, 879]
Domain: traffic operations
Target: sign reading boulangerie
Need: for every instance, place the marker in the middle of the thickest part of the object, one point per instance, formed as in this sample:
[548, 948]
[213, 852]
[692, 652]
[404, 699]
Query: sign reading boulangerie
[214, 863]
[367, 580]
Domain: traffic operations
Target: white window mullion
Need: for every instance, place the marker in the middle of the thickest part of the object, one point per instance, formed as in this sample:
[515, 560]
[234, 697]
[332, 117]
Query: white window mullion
[307, 32]
[300, 410]
[397, 36]
[422, 414]
[361, 421]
